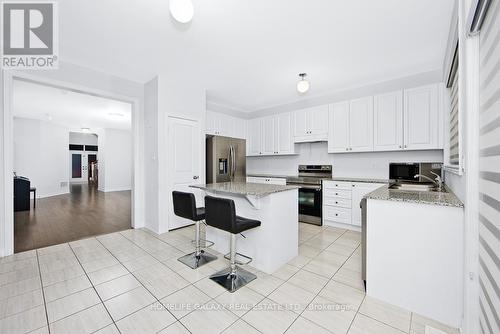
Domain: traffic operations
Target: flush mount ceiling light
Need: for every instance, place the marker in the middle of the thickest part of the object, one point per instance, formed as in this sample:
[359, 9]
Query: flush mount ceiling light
[181, 10]
[303, 85]
[85, 130]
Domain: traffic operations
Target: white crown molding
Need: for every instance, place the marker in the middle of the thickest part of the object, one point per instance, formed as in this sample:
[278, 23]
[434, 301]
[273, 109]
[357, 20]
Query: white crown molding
[341, 95]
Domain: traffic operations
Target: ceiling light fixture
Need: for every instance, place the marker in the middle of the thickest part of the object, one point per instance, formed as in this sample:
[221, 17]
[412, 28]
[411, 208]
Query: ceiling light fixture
[181, 10]
[303, 85]
[85, 130]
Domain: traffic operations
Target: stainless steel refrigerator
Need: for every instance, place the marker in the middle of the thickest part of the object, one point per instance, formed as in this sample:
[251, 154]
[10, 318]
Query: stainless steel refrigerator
[226, 159]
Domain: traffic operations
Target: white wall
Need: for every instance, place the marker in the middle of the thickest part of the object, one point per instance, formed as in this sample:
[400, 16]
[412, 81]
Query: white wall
[82, 138]
[41, 154]
[115, 160]
[369, 165]
[151, 174]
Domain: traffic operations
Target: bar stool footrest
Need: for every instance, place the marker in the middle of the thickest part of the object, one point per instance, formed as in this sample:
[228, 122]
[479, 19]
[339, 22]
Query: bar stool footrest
[246, 260]
[193, 261]
[208, 243]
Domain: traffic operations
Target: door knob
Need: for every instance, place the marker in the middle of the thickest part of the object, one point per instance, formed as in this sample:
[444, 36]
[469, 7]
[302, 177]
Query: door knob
[196, 177]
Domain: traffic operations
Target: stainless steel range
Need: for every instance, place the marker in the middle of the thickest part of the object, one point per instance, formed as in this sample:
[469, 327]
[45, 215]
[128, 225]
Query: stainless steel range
[310, 192]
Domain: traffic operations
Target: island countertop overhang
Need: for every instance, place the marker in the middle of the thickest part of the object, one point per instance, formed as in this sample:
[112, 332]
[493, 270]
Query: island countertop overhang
[244, 188]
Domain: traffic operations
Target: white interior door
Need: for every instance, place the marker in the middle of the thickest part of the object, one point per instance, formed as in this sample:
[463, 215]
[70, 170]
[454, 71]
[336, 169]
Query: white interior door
[185, 162]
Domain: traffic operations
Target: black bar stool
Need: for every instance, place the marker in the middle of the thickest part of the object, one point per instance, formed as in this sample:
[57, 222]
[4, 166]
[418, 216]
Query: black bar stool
[185, 207]
[221, 214]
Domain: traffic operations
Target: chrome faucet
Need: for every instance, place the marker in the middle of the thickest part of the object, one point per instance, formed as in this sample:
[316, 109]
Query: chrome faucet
[437, 181]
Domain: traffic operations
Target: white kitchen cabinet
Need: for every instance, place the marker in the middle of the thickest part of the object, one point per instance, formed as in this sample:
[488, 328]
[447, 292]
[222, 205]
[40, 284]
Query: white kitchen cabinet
[311, 124]
[388, 121]
[268, 136]
[218, 124]
[254, 137]
[283, 134]
[421, 118]
[271, 135]
[351, 126]
[240, 128]
[338, 134]
[361, 125]
[402, 120]
[266, 180]
[341, 202]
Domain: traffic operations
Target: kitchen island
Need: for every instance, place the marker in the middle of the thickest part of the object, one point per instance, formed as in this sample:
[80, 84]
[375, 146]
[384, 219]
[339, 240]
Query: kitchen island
[275, 242]
[414, 242]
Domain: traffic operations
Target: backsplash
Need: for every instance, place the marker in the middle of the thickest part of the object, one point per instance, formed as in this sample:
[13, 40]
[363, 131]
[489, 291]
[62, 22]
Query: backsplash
[369, 165]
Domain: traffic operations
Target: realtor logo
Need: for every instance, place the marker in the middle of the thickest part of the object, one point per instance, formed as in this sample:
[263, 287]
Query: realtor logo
[29, 35]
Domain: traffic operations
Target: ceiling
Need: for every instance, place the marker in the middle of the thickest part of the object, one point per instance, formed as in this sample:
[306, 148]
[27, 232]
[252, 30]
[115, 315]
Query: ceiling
[71, 109]
[248, 53]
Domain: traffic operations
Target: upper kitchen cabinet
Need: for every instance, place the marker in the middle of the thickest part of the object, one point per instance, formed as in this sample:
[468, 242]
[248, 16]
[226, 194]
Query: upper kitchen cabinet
[351, 126]
[408, 119]
[268, 137]
[283, 137]
[361, 125]
[338, 123]
[421, 118]
[311, 124]
[254, 137]
[271, 135]
[218, 124]
[388, 121]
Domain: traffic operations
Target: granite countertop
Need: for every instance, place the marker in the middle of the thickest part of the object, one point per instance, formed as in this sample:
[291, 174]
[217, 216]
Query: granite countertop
[434, 198]
[334, 178]
[243, 188]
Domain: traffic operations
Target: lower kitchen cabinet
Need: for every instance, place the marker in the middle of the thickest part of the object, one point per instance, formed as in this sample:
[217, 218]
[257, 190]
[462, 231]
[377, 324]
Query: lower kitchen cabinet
[341, 202]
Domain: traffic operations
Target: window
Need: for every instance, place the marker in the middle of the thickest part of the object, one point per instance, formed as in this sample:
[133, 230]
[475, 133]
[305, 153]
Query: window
[454, 122]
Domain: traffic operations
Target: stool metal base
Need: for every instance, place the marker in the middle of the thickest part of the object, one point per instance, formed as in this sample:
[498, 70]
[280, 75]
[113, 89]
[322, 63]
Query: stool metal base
[193, 261]
[233, 282]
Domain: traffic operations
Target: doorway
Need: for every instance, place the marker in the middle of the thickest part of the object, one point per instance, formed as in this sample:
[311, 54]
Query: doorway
[63, 149]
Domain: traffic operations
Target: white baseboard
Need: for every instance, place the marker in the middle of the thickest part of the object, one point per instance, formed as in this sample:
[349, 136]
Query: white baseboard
[107, 190]
[58, 193]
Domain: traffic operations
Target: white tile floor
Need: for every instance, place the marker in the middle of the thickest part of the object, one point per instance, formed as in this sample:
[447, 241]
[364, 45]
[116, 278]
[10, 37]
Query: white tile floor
[131, 282]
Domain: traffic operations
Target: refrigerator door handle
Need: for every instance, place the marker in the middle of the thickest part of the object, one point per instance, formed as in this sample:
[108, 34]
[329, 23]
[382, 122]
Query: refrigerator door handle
[229, 159]
[234, 161]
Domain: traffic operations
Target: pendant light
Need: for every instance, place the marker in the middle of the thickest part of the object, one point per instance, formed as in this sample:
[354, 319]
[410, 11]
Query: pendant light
[181, 10]
[303, 85]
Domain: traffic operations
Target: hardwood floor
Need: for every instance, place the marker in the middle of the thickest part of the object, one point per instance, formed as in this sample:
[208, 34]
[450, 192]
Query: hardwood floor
[82, 213]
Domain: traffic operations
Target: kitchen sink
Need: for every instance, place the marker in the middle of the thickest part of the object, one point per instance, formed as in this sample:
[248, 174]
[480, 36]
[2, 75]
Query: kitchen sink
[425, 187]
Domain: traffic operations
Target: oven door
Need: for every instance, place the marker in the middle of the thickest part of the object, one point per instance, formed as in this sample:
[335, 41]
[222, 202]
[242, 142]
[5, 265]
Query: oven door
[310, 207]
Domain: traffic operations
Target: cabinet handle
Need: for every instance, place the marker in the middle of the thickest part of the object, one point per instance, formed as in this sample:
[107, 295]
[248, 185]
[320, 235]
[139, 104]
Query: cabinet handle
[336, 214]
[400, 146]
[347, 148]
[406, 146]
[336, 202]
[336, 194]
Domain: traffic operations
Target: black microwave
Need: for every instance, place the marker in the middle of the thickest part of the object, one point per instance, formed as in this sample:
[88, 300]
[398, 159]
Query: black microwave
[407, 171]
